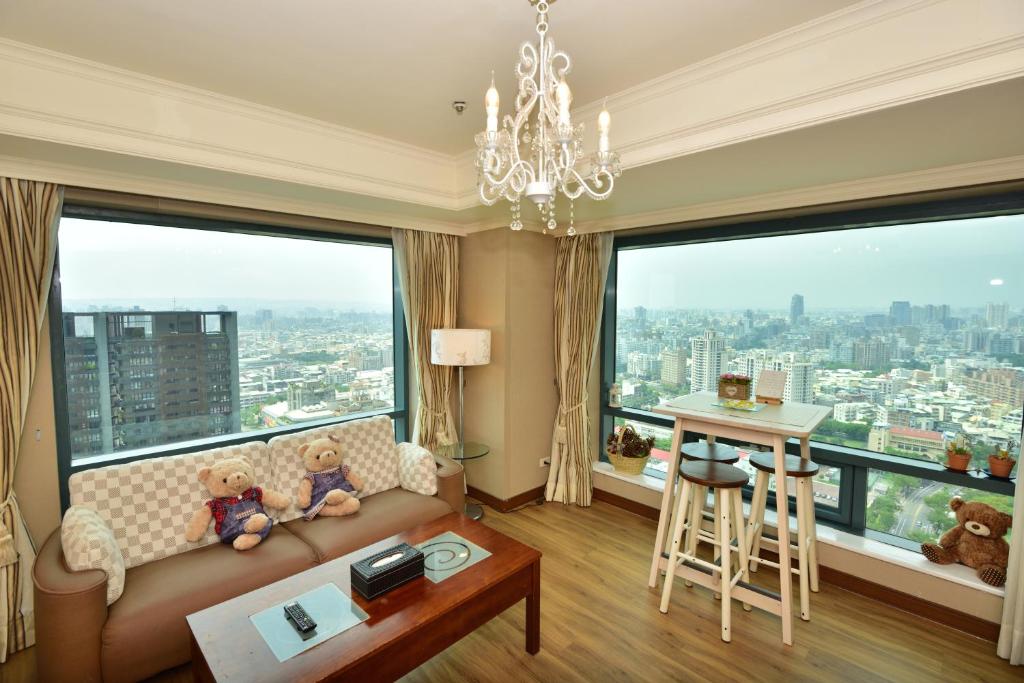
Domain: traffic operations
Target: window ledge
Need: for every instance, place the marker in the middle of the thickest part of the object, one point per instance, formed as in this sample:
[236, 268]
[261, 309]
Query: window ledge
[955, 573]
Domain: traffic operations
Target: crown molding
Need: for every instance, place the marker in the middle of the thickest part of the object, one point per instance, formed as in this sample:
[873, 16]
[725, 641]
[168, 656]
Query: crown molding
[940, 178]
[114, 181]
[877, 56]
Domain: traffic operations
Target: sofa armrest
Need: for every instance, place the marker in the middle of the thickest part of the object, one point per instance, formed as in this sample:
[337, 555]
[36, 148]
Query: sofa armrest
[70, 611]
[451, 482]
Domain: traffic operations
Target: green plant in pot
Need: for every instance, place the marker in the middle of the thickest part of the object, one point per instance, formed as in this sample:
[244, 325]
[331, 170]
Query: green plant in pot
[1000, 462]
[628, 451]
[958, 453]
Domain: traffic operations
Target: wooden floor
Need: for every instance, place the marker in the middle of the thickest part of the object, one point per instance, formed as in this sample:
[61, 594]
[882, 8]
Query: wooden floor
[599, 622]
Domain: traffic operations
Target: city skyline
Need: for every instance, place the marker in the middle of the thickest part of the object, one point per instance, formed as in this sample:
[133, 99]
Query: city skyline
[862, 269]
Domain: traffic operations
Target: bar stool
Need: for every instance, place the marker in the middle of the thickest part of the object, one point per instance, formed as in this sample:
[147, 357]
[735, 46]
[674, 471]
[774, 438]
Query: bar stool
[727, 482]
[806, 545]
[704, 451]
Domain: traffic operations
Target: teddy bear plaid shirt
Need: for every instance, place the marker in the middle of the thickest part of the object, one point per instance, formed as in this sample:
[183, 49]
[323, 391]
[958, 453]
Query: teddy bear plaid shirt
[231, 513]
[323, 483]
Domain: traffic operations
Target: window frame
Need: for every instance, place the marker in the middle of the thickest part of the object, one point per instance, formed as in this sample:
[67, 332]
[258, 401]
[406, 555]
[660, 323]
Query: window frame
[853, 463]
[66, 465]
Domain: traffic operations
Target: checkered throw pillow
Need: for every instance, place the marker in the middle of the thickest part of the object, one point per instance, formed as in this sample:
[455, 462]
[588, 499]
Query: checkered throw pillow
[417, 470]
[88, 543]
[148, 503]
[367, 446]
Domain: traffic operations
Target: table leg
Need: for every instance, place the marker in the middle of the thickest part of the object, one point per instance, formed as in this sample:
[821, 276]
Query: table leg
[533, 612]
[782, 507]
[664, 516]
[812, 552]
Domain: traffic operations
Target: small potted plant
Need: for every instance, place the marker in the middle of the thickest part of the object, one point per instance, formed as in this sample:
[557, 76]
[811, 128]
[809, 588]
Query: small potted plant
[628, 451]
[958, 454]
[734, 387]
[1000, 463]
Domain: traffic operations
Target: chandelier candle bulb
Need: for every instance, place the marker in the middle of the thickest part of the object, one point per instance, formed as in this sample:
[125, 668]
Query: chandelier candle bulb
[491, 107]
[564, 98]
[604, 122]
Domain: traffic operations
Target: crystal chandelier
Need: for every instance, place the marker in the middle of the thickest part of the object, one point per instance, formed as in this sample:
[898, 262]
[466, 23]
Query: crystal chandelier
[539, 163]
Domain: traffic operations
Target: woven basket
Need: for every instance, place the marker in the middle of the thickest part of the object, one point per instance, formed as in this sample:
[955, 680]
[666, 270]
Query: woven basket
[623, 464]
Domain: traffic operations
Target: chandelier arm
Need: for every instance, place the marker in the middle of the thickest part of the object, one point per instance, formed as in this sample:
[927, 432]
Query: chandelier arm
[583, 187]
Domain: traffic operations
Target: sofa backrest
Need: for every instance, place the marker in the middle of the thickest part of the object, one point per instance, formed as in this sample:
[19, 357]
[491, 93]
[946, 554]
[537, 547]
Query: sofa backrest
[367, 446]
[147, 503]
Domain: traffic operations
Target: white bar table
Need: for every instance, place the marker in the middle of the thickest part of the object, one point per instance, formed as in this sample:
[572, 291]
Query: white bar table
[770, 426]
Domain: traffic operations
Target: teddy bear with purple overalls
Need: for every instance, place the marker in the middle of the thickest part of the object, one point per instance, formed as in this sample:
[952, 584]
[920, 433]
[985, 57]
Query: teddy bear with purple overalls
[237, 507]
[329, 486]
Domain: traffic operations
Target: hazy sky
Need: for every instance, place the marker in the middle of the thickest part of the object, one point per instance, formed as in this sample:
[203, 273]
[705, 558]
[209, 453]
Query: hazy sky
[949, 262]
[122, 262]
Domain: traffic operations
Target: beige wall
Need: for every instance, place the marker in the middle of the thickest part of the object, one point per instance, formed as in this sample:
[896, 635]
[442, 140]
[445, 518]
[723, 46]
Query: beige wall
[506, 286]
[35, 480]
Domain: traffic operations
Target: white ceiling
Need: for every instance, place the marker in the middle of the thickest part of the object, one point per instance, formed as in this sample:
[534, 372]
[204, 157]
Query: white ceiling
[392, 67]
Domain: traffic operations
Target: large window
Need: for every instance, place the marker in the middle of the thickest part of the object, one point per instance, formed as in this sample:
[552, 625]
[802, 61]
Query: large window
[176, 330]
[911, 333]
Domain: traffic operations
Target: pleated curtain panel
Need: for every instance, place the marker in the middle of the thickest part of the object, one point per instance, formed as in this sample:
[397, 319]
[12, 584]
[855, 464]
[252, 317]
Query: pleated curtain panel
[1011, 632]
[581, 268]
[428, 272]
[28, 241]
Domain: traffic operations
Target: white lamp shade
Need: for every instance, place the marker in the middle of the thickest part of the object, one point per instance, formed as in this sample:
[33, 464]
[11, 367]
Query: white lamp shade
[460, 347]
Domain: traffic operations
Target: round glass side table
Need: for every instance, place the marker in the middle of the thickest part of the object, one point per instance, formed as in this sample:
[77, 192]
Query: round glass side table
[467, 451]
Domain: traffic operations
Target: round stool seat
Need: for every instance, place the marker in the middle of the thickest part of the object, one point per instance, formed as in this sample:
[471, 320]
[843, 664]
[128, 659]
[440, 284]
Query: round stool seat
[795, 466]
[715, 475]
[715, 452]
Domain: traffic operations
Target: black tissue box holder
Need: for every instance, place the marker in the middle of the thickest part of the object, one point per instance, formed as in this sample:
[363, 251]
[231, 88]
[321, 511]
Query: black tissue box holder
[370, 581]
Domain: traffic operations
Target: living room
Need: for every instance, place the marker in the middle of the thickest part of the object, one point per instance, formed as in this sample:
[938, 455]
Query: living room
[490, 335]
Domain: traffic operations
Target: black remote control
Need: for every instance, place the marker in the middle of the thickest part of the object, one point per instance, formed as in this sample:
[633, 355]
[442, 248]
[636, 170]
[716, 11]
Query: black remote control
[300, 620]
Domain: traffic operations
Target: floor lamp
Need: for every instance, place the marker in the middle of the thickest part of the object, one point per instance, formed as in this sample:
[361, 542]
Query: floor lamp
[461, 348]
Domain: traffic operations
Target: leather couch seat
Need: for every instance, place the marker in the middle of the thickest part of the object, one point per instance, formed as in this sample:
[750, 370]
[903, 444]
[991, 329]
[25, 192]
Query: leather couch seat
[146, 631]
[380, 515]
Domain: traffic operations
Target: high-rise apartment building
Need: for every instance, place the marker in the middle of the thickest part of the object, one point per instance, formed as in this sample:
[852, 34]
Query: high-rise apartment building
[673, 367]
[996, 315]
[871, 354]
[899, 313]
[146, 378]
[707, 353]
[796, 308]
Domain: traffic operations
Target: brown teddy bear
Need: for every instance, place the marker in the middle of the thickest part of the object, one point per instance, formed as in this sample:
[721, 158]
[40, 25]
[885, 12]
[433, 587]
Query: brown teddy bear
[329, 485]
[977, 541]
[236, 506]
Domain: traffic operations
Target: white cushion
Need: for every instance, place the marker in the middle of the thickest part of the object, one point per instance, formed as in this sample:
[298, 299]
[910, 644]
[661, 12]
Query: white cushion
[367, 447]
[88, 543]
[147, 503]
[417, 470]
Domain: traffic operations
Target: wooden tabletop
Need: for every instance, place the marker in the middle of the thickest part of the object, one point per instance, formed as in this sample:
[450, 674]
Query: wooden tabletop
[789, 419]
[235, 651]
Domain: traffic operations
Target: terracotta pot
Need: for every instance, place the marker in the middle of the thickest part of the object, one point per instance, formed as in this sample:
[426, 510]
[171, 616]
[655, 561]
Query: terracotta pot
[1000, 467]
[958, 461]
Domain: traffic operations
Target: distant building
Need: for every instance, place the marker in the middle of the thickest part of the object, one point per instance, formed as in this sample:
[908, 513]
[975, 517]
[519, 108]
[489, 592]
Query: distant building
[849, 412]
[799, 382]
[919, 441]
[707, 353]
[673, 367]
[996, 315]
[138, 379]
[643, 365]
[899, 312]
[796, 309]
[871, 354]
[1005, 385]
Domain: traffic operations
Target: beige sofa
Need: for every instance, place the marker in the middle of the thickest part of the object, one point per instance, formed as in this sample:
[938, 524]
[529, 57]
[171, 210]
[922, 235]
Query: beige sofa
[79, 638]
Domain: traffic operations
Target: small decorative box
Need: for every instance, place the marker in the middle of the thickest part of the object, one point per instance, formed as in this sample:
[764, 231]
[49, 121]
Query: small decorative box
[380, 572]
[734, 387]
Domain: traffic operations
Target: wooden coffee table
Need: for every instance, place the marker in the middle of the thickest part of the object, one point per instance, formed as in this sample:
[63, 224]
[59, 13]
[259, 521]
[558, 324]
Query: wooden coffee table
[407, 626]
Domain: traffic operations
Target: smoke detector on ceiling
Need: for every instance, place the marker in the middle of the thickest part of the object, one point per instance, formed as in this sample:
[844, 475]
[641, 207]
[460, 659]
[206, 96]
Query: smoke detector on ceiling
[459, 106]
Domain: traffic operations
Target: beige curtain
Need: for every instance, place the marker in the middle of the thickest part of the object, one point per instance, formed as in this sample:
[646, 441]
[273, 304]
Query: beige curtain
[29, 212]
[581, 268]
[1011, 633]
[428, 271]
